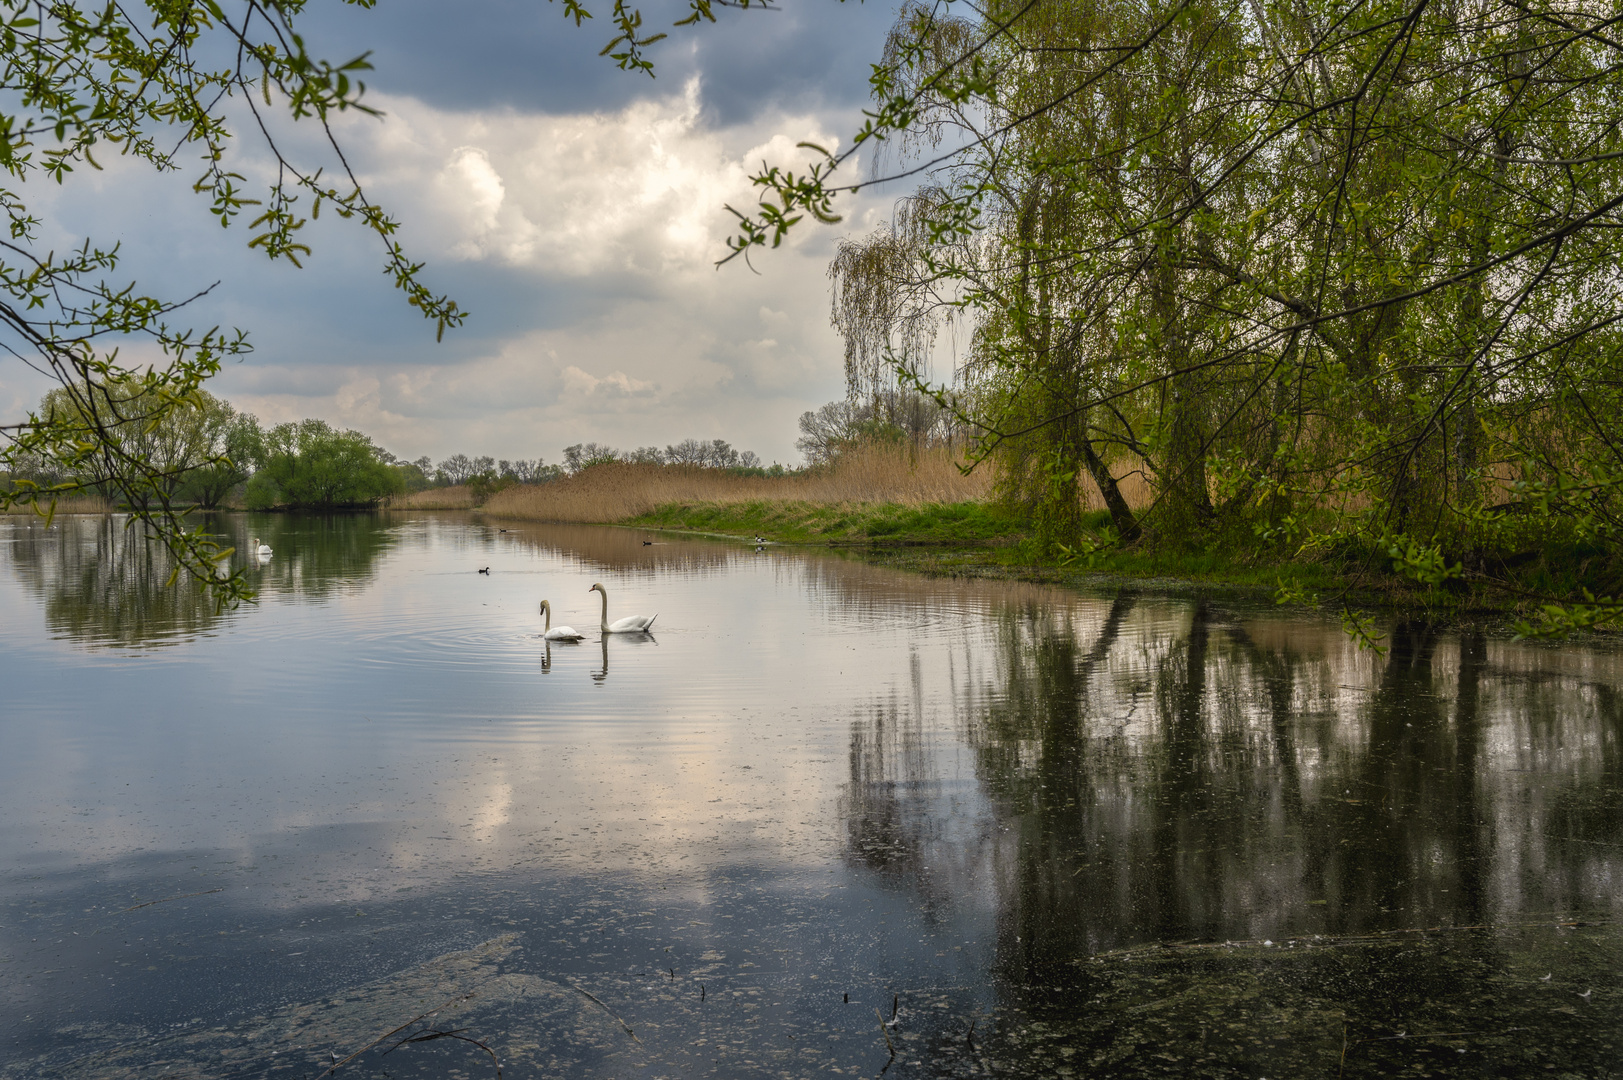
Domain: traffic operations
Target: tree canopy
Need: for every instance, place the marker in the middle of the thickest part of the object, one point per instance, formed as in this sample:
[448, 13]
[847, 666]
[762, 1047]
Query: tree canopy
[1308, 272]
[79, 83]
[172, 85]
[313, 465]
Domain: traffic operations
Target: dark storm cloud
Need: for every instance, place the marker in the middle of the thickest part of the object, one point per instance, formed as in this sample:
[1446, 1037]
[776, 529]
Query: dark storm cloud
[809, 54]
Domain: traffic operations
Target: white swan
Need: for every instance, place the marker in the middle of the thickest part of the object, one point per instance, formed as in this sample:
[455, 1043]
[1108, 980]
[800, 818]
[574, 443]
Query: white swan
[261, 549]
[631, 624]
[563, 633]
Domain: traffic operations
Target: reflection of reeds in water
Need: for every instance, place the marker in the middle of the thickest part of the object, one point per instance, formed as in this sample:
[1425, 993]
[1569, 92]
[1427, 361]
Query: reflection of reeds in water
[880, 474]
[592, 548]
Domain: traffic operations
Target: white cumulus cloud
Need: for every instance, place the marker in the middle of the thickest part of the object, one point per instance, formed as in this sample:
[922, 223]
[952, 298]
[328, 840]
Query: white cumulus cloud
[641, 190]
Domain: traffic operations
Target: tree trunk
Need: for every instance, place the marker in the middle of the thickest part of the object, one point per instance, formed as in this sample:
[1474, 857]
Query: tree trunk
[1121, 515]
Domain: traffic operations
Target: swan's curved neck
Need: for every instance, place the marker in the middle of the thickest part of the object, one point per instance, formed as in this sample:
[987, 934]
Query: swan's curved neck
[604, 593]
[546, 609]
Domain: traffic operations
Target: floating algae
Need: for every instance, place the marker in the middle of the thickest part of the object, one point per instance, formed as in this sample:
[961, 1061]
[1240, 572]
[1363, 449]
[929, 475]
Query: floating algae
[1522, 1000]
[533, 1026]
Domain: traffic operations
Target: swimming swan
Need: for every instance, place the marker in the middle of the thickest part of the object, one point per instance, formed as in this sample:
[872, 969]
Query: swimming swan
[631, 624]
[563, 633]
[261, 549]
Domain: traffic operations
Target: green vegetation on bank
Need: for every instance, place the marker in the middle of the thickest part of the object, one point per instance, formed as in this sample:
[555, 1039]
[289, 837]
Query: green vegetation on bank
[861, 523]
[1172, 305]
[1321, 583]
[313, 464]
[975, 539]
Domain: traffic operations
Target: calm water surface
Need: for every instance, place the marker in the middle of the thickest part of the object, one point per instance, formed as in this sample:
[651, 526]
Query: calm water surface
[827, 819]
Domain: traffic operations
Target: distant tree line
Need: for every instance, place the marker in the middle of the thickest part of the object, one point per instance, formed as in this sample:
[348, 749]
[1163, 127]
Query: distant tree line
[714, 454]
[885, 416]
[203, 452]
[461, 469]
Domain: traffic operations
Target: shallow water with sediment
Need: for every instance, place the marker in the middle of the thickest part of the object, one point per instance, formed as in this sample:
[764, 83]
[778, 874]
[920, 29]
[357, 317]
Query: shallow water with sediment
[827, 818]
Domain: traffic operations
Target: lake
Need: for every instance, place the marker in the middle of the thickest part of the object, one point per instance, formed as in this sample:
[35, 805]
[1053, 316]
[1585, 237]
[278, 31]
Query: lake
[826, 819]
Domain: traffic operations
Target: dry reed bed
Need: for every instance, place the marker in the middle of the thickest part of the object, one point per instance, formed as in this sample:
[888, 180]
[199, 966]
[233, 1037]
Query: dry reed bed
[608, 493]
[76, 504]
[445, 498]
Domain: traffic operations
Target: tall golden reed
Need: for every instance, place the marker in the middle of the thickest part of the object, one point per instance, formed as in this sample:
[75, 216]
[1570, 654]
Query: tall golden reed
[456, 497]
[72, 504]
[873, 474]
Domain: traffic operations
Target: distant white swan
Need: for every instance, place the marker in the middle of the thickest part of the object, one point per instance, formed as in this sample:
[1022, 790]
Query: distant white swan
[261, 549]
[563, 633]
[631, 624]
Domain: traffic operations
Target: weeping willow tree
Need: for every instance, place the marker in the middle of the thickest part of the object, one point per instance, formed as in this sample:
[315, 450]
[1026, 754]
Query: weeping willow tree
[1322, 273]
[890, 309]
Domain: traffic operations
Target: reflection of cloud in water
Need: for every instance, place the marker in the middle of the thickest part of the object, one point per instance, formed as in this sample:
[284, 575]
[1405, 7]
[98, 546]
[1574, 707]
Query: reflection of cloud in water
[492, 812]
[971, 786]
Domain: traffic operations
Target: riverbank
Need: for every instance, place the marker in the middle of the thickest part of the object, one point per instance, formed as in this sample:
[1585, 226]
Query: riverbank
[842, 524]
[921, 513]
[987, 541]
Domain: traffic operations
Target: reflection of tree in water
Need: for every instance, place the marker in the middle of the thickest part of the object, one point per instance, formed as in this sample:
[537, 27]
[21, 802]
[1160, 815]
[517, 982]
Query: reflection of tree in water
[1151, 780]
[315, 555]
[901, 812]
[887, 818]
[106, 585]
[1256, 800]
[103, 584]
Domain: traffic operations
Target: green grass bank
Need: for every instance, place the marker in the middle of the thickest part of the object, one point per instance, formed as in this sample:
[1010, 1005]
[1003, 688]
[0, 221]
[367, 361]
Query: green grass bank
[986, 540]
[846, 524]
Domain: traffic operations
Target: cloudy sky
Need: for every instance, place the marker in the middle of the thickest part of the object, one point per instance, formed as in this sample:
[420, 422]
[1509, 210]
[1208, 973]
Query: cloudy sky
[574, 209]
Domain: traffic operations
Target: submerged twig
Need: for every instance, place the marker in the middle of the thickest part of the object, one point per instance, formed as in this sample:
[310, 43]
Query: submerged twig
[421, 1016]
[599, 1001]
[456, 1033]
[1321, 941]
[1404, 1036]
[165, 900]
[888, 1044]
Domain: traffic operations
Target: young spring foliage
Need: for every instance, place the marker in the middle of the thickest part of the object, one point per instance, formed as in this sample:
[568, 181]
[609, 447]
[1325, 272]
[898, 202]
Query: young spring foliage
[167, 85]
[1314, 275]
